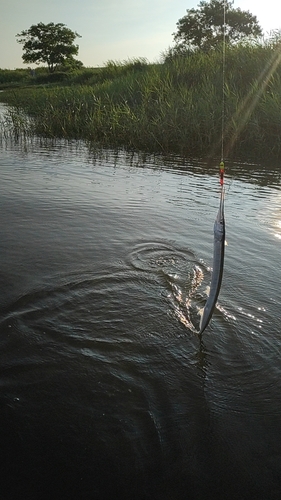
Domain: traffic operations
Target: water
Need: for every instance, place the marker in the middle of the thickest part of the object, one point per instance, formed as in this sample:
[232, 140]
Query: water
[107, 391]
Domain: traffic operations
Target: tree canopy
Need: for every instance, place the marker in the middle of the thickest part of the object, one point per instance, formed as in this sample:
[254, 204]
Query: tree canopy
[204, 28]
[51, 44]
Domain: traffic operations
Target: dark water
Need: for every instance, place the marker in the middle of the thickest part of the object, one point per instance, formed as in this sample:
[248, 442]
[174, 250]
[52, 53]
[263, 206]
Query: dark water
[106, 389]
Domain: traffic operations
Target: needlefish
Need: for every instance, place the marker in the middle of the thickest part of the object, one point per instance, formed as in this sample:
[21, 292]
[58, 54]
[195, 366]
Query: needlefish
[218, 259]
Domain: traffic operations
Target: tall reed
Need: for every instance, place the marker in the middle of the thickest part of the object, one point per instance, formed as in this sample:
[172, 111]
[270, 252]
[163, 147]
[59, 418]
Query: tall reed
[175, 106]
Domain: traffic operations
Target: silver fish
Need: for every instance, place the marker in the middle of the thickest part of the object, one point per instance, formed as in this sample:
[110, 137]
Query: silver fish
[218, 260]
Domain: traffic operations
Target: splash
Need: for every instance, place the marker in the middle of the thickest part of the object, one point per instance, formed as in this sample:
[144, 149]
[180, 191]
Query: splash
[184, 299]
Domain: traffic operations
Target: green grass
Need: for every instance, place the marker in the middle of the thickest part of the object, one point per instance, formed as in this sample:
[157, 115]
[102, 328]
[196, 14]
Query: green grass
[175, 106]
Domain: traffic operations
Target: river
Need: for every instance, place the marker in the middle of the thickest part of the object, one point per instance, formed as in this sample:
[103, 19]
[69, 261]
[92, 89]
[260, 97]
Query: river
[107, 391]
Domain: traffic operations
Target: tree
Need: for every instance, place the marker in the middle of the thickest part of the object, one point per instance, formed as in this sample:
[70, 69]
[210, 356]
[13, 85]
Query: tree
[48, 43]
[70, 64]
[203, 28]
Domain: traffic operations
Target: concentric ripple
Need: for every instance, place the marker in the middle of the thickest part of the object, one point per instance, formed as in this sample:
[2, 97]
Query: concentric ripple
[180, 274]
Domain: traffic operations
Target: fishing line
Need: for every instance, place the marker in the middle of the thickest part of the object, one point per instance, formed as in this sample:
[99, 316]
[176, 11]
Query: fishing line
[223, 95]
[223, 81]
[219, 226]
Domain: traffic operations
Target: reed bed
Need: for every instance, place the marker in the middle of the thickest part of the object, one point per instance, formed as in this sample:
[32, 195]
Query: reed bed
[175, 106]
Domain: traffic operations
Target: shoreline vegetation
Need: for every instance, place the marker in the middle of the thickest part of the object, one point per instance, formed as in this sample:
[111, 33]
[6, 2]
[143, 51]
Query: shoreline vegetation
[170, 107]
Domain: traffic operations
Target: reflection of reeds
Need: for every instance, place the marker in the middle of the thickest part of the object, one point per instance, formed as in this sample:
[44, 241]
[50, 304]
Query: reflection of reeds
[171, 107]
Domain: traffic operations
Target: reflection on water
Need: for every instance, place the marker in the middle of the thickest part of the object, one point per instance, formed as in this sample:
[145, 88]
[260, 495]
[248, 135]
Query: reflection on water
[107, 390]
[271, 215]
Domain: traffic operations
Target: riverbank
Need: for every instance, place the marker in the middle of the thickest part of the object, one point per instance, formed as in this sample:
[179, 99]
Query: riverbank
[175, 106]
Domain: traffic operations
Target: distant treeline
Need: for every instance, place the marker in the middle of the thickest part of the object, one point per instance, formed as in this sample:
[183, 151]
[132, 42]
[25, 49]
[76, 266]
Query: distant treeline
[175, 106]
[83, 76]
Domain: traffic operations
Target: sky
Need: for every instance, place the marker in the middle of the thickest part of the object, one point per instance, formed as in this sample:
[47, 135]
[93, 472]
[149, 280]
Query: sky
[115, 30]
